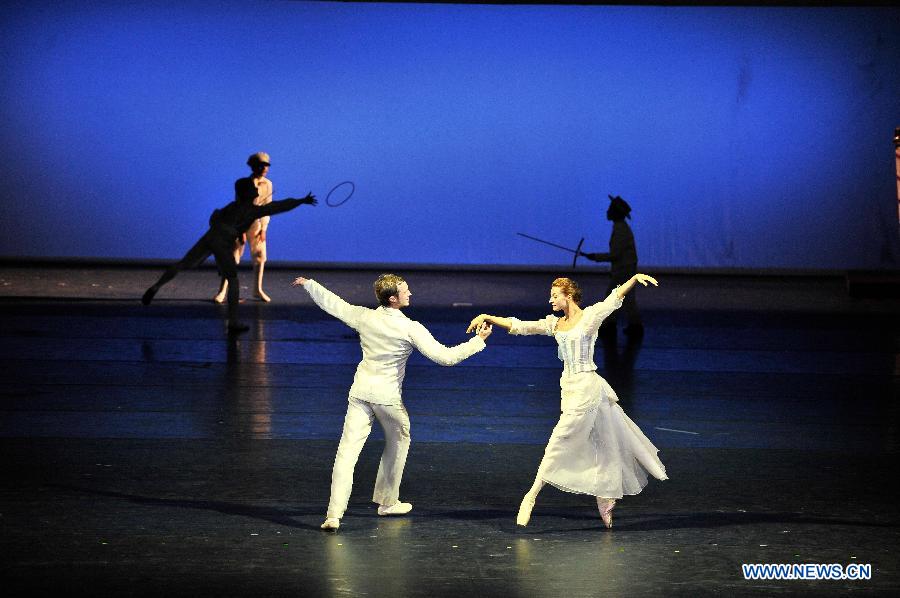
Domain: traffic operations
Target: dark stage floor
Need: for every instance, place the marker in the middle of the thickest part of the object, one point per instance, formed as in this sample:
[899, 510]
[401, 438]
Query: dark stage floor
[146, 454]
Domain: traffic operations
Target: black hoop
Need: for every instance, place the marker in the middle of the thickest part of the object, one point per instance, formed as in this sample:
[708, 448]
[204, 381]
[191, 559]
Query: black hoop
[328, 197]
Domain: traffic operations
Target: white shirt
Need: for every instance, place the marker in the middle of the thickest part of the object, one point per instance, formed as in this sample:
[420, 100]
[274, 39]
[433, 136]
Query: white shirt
[387, 338]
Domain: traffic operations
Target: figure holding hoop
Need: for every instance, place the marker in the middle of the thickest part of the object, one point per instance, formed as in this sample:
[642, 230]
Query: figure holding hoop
[225, 225]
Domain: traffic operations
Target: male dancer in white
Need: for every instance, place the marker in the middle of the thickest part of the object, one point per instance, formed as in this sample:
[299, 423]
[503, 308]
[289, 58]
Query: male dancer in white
[256, 234]
[387, 338]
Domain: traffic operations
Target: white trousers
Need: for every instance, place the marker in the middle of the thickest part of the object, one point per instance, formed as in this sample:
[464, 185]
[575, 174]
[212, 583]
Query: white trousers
[357, 425]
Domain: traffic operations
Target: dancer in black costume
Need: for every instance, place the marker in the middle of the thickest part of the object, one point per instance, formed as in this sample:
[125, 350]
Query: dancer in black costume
[623, 265]
[225, 226]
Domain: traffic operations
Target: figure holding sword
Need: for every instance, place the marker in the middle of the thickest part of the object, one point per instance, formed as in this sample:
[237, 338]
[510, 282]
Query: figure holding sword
[623, 264]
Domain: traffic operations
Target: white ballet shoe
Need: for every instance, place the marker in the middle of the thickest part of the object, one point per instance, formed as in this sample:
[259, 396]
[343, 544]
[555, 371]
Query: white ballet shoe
[331, 524]
[606, 506]
[399, 508]
[525, 508]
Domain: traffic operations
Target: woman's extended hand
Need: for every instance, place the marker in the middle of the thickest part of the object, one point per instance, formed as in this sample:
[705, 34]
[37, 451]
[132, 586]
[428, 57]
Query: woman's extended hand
[476, 322]
[644, 279]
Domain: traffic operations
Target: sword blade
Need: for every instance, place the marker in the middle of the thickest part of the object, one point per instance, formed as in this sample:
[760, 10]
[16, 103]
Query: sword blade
[547, 243]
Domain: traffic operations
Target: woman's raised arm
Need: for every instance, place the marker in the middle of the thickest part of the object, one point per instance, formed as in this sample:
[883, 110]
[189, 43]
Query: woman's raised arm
[641, 278]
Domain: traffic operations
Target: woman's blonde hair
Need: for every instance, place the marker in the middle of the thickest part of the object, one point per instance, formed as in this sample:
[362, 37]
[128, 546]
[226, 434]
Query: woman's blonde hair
[569, 288]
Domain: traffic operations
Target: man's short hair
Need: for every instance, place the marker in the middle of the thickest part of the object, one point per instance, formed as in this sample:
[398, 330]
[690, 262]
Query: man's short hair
[386, 287]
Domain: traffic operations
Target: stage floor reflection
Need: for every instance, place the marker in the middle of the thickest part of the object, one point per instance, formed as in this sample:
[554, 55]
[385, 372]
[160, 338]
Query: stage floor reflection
[146, 453]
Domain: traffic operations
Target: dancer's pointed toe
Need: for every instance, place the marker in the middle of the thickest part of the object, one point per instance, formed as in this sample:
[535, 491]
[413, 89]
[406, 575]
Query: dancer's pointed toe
[606, 506]
[331, 524]
[525, 509]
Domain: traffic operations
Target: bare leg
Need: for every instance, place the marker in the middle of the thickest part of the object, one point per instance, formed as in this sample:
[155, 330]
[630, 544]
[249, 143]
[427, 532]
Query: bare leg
[260, 267]
[223, 251]
[223, 291]
[223, 287]
[193, 258]
[258, 247]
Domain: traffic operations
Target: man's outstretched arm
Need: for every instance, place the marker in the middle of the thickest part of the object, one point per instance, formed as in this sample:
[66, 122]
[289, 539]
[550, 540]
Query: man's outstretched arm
[331, 303]
[442, 354]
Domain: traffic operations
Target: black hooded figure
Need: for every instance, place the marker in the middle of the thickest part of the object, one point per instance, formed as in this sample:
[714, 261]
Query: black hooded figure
[623, 265]
[225, 226]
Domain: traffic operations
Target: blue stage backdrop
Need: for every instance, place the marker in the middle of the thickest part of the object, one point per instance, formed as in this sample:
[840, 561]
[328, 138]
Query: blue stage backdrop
[743, 137]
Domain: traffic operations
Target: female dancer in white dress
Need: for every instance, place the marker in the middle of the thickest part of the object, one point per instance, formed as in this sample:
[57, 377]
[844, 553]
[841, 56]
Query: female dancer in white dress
[595, 448]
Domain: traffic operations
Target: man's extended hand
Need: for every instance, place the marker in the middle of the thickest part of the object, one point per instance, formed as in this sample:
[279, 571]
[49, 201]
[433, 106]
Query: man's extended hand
[476, 323]
[299, 281]
[309, 199]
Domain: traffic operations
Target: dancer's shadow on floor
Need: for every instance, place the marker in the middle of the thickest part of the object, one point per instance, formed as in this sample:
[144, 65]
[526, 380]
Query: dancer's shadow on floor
[543, 519]
[618, 363]
[644, 522]
[285, 517]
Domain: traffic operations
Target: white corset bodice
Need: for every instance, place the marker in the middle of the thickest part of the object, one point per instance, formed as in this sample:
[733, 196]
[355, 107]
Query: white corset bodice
[576, 349]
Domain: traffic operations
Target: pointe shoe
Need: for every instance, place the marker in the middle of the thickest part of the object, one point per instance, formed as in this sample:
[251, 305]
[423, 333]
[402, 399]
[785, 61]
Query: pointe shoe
[525, 508]
[399, 508]
[261, 295]
[220, 298]
[331, 524]
[606, 506]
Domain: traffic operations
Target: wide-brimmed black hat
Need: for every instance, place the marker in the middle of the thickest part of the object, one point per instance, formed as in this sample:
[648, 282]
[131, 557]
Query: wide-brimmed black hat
[620, 205]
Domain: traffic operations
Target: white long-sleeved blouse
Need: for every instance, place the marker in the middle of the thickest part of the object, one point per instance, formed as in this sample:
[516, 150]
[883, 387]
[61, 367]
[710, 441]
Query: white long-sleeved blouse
[576, 345]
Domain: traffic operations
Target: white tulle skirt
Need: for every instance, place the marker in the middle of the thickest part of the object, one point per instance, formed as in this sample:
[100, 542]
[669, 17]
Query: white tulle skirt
[595, 448]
